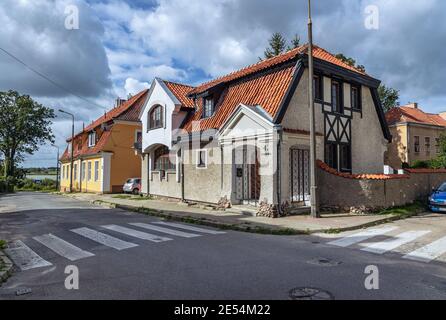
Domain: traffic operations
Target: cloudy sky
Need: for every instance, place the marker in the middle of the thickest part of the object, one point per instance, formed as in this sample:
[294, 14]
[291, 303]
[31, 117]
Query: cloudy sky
[122, 44]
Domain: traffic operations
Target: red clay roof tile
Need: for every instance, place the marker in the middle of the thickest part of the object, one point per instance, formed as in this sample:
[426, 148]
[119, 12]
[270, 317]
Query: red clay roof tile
[325, 167]
[413, 115]
[180, 91]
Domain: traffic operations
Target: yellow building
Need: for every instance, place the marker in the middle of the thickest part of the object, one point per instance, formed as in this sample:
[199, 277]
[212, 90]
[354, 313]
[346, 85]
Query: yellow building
[415, 135]
[104, 153]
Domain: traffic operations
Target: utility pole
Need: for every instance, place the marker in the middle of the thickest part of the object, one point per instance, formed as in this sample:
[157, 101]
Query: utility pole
[72, 142]
[57, 167]
[313, 188]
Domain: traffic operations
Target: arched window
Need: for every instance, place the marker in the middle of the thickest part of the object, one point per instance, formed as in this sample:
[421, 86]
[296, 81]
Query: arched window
[162, 160]
[156, 117]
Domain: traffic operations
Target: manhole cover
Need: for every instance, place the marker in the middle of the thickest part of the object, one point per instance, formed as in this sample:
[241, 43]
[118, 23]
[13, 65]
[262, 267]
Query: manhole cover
[23, 291]
[306, 293]
[324, 262]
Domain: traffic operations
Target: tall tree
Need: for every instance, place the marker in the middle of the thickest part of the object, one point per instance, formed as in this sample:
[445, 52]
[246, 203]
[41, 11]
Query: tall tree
[295, 42]
[277, 45]
[24, 125]
[389, 97]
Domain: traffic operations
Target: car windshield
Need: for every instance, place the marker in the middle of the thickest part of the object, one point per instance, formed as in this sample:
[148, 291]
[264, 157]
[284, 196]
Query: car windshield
[129, 181]
[442, 188]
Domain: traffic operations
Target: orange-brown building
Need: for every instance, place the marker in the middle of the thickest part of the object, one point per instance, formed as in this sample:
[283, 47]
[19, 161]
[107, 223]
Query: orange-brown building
[415, 135]
[104, 152]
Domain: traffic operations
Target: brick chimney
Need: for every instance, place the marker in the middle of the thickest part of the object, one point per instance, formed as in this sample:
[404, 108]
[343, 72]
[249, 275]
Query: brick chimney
[119, 102]
[413, 105]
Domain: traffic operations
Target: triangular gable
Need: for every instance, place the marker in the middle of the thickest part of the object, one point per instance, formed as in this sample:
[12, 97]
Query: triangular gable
[246, 121]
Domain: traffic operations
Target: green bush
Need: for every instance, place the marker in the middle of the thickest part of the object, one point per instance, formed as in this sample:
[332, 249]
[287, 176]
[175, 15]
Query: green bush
[7, 184]
[438, 163]
[419, 164]
[31, 185]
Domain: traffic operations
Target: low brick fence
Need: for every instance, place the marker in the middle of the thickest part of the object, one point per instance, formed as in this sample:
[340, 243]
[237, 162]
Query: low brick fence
[370, 192]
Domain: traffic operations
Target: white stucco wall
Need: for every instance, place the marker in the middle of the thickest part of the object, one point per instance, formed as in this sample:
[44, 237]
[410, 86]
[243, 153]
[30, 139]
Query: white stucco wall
[172, 117]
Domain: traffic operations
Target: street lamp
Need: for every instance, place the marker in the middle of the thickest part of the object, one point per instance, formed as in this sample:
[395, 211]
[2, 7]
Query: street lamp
[72, 141]
[313, 189]
[57, 167]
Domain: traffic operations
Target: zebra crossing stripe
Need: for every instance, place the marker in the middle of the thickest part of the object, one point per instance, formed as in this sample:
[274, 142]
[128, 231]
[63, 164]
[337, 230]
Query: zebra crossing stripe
[24, 257]
[165, 230]
[361, 236]
[429, 252]
[136, 233]
[104, 239]
[186, 227]
[394, 242]
[62, 247]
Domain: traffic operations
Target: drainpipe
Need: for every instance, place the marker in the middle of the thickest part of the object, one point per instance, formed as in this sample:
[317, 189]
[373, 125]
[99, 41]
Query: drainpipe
[279, 179]
[182, 175]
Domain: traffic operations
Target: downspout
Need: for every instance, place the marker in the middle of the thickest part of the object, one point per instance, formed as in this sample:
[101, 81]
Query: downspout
[279, 179]
[182, 176]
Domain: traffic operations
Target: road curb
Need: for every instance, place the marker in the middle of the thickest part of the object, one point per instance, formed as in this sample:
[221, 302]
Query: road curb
[244, 228]
[6, 266]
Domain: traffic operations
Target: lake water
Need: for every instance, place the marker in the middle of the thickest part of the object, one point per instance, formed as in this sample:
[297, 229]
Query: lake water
[41, 176]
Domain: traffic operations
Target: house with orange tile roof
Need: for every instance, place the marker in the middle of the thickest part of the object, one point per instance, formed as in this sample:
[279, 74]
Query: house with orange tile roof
[243, 138]
[415, 135]
[104, 153]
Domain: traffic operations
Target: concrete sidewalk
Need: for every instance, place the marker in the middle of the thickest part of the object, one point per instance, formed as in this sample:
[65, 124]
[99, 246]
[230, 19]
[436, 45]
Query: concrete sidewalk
[237, 221]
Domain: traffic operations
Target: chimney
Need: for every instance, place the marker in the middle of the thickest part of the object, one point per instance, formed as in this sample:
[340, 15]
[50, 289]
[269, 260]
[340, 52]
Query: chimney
[119, 102]
[413, 105]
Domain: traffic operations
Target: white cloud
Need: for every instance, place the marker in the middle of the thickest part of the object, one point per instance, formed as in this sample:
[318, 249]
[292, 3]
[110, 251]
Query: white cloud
[133, 86]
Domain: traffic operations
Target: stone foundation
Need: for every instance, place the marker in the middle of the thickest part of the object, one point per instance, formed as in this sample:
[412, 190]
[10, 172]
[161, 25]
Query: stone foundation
[224, 203]
[267, 210]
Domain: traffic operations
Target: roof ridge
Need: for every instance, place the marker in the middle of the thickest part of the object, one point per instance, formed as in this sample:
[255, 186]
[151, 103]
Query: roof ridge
[178, 83]
[129, 103]
[298, 50]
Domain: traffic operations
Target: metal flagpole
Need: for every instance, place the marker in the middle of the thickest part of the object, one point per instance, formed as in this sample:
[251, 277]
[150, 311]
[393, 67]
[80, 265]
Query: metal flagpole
[313, 190]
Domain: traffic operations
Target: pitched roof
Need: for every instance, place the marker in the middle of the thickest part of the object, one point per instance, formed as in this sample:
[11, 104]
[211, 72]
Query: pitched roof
[413, 115]
[181, 91]
[318, 53]
[129, 110]
[264, 83]
[266, 90]
[85, 150]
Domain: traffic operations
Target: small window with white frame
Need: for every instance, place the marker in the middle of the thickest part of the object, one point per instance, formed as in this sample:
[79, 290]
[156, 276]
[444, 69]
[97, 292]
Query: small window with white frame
[208, 107]
[202, 159]
[92, 139]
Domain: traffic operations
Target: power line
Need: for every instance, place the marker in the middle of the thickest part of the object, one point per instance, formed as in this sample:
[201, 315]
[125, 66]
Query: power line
[48, 79]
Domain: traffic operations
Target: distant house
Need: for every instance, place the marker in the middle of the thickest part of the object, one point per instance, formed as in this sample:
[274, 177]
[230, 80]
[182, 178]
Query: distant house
[244, 138]
[104, 152]
[415, 135]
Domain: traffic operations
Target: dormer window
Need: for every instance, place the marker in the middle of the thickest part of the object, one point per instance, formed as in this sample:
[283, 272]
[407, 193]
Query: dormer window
[156, 117]
[208, 107]
[91, 139]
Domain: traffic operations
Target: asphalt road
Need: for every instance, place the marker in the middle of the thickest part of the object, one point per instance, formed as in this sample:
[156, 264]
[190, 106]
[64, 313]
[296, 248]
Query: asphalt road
[229, 265]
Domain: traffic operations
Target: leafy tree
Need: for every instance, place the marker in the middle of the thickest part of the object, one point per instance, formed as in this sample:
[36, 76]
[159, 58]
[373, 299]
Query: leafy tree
[440, 161]
[389, 97]
[277, 45]
[350, 61]
[24, 125]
